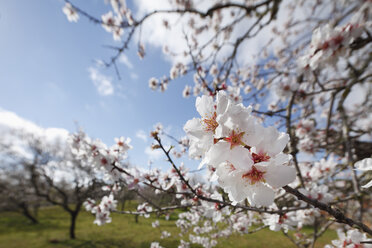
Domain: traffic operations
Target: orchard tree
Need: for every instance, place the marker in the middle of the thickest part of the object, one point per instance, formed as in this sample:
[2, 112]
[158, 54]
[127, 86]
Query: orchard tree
[18, 195]
[299, 155]
[35, 168]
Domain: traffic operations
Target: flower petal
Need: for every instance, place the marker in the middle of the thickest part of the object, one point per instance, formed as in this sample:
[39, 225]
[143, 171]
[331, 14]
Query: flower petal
[280, 175]
[239, 157]
[364, 165]
[194, 128]
[262, 195]
[205, 106]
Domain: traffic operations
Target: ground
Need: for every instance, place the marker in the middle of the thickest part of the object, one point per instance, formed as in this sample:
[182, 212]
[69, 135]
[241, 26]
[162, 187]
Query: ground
[17, 232]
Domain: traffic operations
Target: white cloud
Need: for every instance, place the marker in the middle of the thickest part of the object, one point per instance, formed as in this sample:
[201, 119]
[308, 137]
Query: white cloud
[153, 154]
[155, 34]
[134, 76]
[141, 135]
[125, 60]
[14, 133]
[102, 83]
[11, 121]
[12, 127]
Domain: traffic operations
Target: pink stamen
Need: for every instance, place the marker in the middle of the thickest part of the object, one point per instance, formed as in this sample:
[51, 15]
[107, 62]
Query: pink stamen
[255, 175]
[235, 139]
[260, 157]
[210, 123]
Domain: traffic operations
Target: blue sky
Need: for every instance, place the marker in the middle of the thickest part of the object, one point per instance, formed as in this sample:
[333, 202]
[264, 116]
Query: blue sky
[45, 78]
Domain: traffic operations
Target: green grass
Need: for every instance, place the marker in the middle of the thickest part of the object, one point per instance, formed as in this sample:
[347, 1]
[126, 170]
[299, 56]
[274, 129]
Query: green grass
[17, 232]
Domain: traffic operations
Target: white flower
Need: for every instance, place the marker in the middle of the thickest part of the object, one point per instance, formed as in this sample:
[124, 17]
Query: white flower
[144, 209]
[70, 12]
[128, 15]
[248, 157]
[365, 165]
[108, 203]
[153, 83]
[122, 144]
[173, 72]
[201, 130]
[155, 245]
[155, 224]
[89, 204]
[213, 70]
[163, 86]
[305, 127]
[276, 222]
[196, 90]
[351, 239]
[286, 88]
[183, 244]
[319, 193]
[322, 168]
[328, 43]
[165, 234]
[306, 217]
[247, 89]
[187, 91]
[102, 217]
[109, 22]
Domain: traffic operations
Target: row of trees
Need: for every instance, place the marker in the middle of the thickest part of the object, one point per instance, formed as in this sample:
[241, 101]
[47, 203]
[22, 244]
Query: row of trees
[36, 172]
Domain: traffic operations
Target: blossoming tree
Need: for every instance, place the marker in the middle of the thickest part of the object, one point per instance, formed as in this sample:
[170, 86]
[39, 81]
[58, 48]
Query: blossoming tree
[298, 155]
[36, 170]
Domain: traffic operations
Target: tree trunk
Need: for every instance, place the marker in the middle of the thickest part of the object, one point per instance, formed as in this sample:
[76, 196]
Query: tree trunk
[26, 212]
[72, 224]
[36, 210]
[136, 218]
[123, 204]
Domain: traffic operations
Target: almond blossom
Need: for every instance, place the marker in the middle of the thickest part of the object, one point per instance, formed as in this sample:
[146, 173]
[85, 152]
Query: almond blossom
[70, 12]
[248, 157]
[201, 130]
[329, 43]
[352, 239]
[277, 222]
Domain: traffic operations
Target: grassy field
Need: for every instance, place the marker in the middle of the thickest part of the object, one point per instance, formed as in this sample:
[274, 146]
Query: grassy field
[16, 232]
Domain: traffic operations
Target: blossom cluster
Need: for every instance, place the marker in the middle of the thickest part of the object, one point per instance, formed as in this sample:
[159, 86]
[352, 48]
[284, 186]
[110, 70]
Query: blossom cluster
[351, 239]
[114, 22]
[247, 157]
[329, 43]
[96, 154]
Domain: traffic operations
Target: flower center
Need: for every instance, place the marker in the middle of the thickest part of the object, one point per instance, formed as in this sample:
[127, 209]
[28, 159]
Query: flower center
[260, 157]
[104, 161]
[210, 123]
[282, 218]
[235, 139]
[231, 167]
[255, 175]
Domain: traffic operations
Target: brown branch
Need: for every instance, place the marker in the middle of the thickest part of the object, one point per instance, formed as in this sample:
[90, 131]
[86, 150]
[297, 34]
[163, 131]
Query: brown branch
[292, 142]
[339, 216]
[160, 210]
